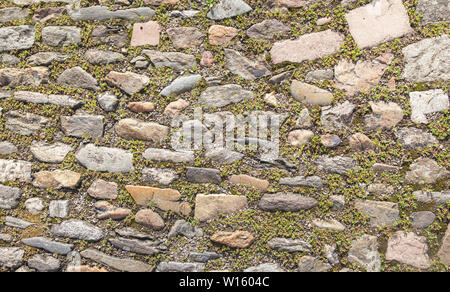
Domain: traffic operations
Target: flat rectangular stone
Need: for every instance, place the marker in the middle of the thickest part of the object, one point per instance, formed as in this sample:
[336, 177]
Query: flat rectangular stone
[16, 37]
[12, 170]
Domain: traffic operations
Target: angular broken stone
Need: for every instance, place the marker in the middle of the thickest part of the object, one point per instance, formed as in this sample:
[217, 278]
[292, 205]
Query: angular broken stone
[77, 229]
[149, 219]
[413, 138]
[44, 263]
[129, 82]
[145, 247]
[211, 206]
[107, 211]
[9, 59]
[427, 102]
[13, 13]
[82, 124]
[364, 252]
[48, 244]
[103, 190]
[380, 213]
[11, 257]
[243, 179]
[57, 179]
[176, 61]
[289, 245]
[237, 239]
[110, 36]
[133, 233]
[12, 170]
[228, 9]
[167, 267]
[302, 181]
[185, 37]
[102, 13]
[163, 155]
[319, 75]
[378, 22]
[337, 117]
[409, 249]
[39, 98]
[268, 29]
[429, 197]
[59, 208]
[145, 34]
[108, 101]
[57, 36]
[336, 164]
[123, 265]
[99, 57]
[44, 14]
[220, 96]
[427, 60]
[14, 77]
[223, 155]
[135, 129]
[46, 58]
[105, 159]
[51, 153]
[385, 115]
[286, 202]
[181, 227]
[220, 35]
[360, 142]
[433, 11]
[76, 77]
[27, 124]
[425, 171]
[203, 175]
[9, 197]
[311, 264]
[204, 257]
[162, 176]
[18, 223]
[324, 43]
[244, 67]
[310, 94]
[174, 108]
[16, 37]
[181, 85]
[300, 137]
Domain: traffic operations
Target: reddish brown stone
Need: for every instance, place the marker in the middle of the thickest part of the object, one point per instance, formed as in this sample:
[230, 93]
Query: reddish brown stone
[149, 219]
[237, 239]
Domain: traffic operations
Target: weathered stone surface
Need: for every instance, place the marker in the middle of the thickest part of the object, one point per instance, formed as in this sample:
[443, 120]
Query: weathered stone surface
[300, 137]
[106, 210]
[57, 179]
[319, 75]
[161, 2]
[102, 13]
[268, 29]
[308, 264]
[220, 96]
[211, 206]
[337, 117]
[433, 11]
[12, 170]
[185, 37]
[409, 249]
[265, 268]
[145, 247]
[336, 164]
[16, 37]
[77, 229]
[413, 138]
[162, 176]
[174, 108]
[364, 252]
[7, 148]
[18, 223]
[289, 245]
[360, 142]
[237, 239]
[105, 159]
[46, 58]
[223, 155]
[220, 35]
[129, 82]
[422, 219]
[165, 199]
[247, 180]
[99, 57]
[427, 60]
[302, 181]
[51, 153]
[149, 219]
[135, 129]
[430, 197]
[296, 51]
[130, 232]
[25, 124]
[145, 34]
[57, 36]
[9, 59]
[141, 107]
[286, 202]
[11, 257]
[181, 227]
[82, 124]
[110, 36]
[244, 67]
[39, 98]
[380, 213]
[204, 257]
[444, 251]
[6, 237]
[180, 267]
[381, 167]
[48, 245]
[310, 94]
[9, 196]
[203, 175]
[44, 14]
[124, 265]
[44, 263]
[76, 77]
[108, 101]
[14, 77]
[384, 115]
[59, 208]
[228, 9]
[34, 205]
[360, 77]
[163, 155]
[176, 61]
[13, 13]
[328, 224]
[330, 140]
[181, 85]
[425, 171]
[378, 22]
[427, 102]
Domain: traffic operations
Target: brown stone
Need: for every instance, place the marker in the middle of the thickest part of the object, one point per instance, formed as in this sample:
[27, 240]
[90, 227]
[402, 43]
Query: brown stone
[237, 239]
[220, 35]
[300, 137]
[247, 180]
[103, 190]
[444, 251]
[149, 219]
[85, 269]
[141, 107]
[385, 115]
[185, 37]
[211, 206]
[360, 142]
[145, 34]
[310, 94]
[409, 249]
[57, 179]
[129, 82]
[135, 129]
[108, 211]
[161, 2]
[207, 59]
[174, 108]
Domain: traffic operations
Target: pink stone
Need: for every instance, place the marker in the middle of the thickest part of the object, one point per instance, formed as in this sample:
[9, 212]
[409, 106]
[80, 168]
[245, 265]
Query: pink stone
[207, 59]
[307, 47]
[409, 249]
[145, 34]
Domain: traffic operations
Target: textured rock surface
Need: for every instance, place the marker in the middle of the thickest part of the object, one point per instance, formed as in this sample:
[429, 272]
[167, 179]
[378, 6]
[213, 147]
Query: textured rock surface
[16, 37]
[364, 252]
[409, 249]
[210, 206]
[105, 159]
